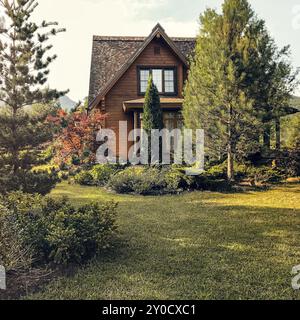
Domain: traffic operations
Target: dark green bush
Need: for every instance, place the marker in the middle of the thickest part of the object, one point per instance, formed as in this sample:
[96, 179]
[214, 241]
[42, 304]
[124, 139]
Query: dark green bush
[218, 171]
[290, 161]
[151, 180]
[139, 180]
[14, 255]
[266, 175]
[41, 182]
[293, 166]
[56, 231]
[205, 182]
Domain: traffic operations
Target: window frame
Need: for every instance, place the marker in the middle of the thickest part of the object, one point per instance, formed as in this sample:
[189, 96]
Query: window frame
[163, 68]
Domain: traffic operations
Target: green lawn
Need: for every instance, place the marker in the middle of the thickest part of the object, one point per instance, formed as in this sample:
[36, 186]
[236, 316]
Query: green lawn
[192, 246]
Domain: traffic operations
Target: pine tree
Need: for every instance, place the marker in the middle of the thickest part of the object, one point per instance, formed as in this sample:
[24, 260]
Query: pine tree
[152, 116]
[273, 83]
[24, 69]
[215, 95]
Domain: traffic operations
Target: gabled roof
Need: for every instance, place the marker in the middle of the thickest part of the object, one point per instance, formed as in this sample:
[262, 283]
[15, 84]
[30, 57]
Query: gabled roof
[112, 56]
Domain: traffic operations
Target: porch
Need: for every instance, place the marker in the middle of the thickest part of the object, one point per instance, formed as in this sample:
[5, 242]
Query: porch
[171, 108]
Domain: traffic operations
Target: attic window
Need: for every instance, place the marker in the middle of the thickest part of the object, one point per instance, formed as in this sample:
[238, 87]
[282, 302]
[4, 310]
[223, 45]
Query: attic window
[164, 78]
[157, 50]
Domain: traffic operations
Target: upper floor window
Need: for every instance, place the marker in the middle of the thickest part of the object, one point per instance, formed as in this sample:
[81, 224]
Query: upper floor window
[163, 78]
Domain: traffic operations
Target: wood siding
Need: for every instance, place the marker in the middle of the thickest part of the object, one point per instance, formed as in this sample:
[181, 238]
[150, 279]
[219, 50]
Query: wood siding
[127, 87]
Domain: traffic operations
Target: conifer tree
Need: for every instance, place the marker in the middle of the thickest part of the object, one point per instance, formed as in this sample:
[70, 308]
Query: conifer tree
[152, 116]
[24, 69]
[215, 95]
[239, 85]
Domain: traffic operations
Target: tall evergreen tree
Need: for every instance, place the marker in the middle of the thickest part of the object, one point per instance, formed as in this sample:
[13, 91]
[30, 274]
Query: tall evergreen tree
[152, 116]
[24, 69]
[215, 95]
[273, 81]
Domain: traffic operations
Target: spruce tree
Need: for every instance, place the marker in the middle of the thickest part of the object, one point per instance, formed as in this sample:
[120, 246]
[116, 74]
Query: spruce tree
[24, 69]
[273, 81]
[152, 116]
[215, 95]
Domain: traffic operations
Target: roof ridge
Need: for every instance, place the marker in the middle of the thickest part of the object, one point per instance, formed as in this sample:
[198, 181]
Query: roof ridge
[137, 38]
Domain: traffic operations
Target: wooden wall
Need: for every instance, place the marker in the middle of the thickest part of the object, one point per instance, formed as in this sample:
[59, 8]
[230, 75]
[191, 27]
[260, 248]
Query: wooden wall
[127, 87]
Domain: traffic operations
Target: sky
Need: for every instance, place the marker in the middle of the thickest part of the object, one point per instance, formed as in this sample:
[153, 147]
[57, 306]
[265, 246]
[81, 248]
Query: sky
[85, 18]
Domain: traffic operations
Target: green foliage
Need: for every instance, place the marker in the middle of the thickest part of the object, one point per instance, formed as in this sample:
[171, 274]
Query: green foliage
[24, 69]
[14, 255]
[84, 178]
[215, 96]
[101, 173]
[139, 180]
[176, 179]
[155, 180]
[262, 174]
[290, 132]
[41, 182]
[152, 115]
[56, 231]
[238, 83]
[206, 182]
[293, 166]
[290, 161]
[267, 175]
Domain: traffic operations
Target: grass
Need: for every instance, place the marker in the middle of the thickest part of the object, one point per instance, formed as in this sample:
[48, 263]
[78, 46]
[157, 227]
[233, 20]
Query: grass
[192, 246]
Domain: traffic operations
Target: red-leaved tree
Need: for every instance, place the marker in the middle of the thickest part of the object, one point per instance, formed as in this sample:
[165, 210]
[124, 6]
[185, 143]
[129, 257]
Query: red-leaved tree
[75, 142]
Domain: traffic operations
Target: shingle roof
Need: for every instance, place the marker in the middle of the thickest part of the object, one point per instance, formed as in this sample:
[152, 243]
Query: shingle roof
[110, 54]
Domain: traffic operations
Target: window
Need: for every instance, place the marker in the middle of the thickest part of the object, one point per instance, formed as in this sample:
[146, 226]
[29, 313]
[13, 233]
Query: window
[169, 81]
[144, 76]
[163, 78]
[172, 120]
[157, 79]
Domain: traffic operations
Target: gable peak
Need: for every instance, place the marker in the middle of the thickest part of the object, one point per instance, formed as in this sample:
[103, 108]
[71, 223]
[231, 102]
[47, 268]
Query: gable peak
[158, 27]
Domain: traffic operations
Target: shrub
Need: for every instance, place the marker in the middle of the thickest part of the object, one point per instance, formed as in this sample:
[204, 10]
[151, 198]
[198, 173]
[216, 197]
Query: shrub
[41, 182]
[139, 180]
[84, 178]
[14, 255]
[218, 171]
[56, 231]
[293, 168]
[176, 179]
[290, 161]
[206, 182]
[266, 175]
[101, 173]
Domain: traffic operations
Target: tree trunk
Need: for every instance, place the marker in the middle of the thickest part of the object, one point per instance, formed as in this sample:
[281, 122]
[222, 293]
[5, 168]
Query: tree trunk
[230, 159]
[15, 151]
[278, 134]
[267, 137]
[230, 164]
